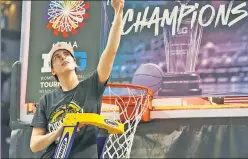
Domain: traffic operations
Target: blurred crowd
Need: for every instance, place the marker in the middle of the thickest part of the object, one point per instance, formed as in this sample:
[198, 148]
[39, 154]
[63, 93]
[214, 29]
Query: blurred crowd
[5, 116]
[222, 57]
[11, 12]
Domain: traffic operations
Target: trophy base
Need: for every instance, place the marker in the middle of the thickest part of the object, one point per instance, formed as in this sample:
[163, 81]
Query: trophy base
[180, 85]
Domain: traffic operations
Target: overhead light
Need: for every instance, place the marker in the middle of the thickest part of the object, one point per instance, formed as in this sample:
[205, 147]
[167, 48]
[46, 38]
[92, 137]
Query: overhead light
[5, 5]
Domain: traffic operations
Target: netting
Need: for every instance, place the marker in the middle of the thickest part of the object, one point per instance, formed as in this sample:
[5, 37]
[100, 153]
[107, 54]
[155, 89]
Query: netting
[127, 104]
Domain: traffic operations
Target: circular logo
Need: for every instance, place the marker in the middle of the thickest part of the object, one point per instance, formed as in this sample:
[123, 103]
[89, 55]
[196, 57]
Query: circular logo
[111, 122]
[66, 16]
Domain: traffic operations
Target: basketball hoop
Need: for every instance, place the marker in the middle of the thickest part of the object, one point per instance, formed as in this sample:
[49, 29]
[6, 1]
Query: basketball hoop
[128, 104]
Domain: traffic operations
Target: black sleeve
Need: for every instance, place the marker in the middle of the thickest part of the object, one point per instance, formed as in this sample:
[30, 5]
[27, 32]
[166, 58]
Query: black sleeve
[99, 87]
[97, 90]
[39, 119]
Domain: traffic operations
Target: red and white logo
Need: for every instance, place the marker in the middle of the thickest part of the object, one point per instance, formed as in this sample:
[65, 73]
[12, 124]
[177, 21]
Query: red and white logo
[67, 17]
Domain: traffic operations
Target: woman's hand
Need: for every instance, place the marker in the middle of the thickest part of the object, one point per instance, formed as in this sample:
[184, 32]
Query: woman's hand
[118, 5]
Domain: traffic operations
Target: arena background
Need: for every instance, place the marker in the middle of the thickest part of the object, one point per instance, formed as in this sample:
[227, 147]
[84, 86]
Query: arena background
[221, 64]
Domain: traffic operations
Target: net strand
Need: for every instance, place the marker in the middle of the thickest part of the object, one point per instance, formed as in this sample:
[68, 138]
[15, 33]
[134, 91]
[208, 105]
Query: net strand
[119, 146]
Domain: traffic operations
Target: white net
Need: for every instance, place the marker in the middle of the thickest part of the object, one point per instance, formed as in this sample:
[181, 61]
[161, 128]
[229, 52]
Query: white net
[129, 106]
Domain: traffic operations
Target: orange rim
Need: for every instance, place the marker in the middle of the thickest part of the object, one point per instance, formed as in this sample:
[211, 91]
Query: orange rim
[129, 100]
[106, 98]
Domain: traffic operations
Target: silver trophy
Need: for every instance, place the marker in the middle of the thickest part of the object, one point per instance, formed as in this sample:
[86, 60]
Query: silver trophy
[181, 52]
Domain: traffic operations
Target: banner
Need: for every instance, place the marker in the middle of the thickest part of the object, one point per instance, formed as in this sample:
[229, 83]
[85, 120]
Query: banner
[44, 24]
[49, 24]
[184, 48]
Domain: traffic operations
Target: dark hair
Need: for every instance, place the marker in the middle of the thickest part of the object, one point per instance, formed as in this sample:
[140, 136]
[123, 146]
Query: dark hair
[55, 76]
